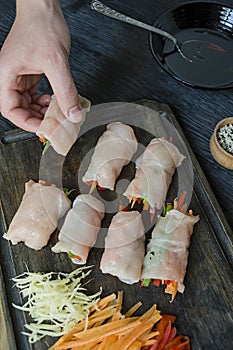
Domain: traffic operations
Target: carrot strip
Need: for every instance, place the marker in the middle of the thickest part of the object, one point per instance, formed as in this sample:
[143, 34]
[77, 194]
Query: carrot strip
[107, 342]
[150, 336]
[137, 345]
[133, 309]
[175, 202]
[93, 186]
[102, 303]
[106, 328]
[102, 331]
[172, 289]
[126, 341]
[133, 202]
[119, 301]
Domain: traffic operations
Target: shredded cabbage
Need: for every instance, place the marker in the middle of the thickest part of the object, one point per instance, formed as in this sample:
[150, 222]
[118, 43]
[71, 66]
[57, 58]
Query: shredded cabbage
[56, 301]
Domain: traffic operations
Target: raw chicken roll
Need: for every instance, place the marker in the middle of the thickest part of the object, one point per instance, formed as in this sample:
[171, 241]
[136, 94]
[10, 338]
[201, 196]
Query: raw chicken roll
[37, 216]
[80, 229]
[124, 247]
[58, 130]
[155, 169]
[113, 151]
[167, 252]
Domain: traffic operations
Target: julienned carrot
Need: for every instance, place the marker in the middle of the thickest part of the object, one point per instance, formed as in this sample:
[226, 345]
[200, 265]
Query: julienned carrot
[42, 139]
[119, 301]
[126, 341]
[133, 309]
[97, 334]
[104, 302]
[107, 328]
[97, 311]
[172, 289]
[93, 186]
[73, 256]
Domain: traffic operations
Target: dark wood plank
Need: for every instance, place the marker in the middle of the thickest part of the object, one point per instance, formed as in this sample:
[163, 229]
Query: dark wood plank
[7, 337]
[203, 311]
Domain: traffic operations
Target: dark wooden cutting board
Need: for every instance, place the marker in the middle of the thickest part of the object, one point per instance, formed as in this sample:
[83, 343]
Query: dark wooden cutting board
[204, 311]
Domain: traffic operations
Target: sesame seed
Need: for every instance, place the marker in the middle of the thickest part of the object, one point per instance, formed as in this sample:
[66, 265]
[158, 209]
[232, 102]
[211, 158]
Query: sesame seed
[225, 137]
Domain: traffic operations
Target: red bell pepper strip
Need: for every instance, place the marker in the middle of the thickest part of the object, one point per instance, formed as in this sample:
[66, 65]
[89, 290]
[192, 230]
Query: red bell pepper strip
[180, 201]
[165, 337]
[163, 323]
[172, 334]
[156, 282]
[180, 342]
[101, 188]
[155, 345]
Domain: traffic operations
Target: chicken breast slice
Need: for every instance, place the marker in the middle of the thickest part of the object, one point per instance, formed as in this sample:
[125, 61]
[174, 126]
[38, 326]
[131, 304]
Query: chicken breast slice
[37, 216]
[114, 150]
[80, 229]
[155, 168]
[58, 130]
[167, 252]
[124, 247]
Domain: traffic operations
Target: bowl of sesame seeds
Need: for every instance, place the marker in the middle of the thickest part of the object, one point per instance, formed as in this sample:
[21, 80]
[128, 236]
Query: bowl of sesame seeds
[221, 143]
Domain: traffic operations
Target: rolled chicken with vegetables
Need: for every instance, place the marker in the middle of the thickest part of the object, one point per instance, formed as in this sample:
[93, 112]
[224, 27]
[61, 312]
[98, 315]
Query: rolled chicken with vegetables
[124, 247]
[155, 168]
[80, 229]
[58, 131]
[167, 252]
[113, 151]
[37, 217]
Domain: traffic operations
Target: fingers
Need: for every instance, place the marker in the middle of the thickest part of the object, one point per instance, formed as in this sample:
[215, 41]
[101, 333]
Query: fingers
[42, 100]
[17, 108]
[65, 91]
[25, 119]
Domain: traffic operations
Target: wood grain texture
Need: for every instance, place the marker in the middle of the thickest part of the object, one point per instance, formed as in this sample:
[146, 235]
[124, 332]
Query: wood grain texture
[7, 337]
[205, 307]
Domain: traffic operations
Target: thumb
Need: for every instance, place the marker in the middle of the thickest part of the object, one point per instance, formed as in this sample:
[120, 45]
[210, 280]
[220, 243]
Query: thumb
[65, 91]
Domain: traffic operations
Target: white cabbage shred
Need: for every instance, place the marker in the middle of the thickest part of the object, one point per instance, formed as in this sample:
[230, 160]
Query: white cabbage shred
[55, 301]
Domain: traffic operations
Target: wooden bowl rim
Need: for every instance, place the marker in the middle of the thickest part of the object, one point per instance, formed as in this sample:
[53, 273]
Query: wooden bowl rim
[225, 121]
[223, 157]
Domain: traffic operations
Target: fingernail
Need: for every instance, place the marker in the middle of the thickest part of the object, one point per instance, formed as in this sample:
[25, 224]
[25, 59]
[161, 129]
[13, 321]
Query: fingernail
[75, 115]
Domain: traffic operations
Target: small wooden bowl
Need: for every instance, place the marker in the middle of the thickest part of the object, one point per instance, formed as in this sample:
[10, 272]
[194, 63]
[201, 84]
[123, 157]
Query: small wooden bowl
[221, 156]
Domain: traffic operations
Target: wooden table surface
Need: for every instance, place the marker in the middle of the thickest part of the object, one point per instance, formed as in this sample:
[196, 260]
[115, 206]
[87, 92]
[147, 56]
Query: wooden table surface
[111, 61]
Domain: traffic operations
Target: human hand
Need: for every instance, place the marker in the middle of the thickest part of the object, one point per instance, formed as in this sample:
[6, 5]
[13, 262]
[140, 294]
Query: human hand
[39, 42]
